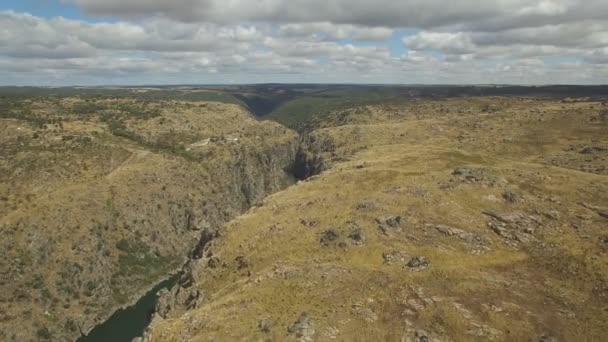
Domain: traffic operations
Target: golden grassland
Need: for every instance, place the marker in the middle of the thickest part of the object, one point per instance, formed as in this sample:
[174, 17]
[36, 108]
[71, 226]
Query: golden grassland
[399, 160]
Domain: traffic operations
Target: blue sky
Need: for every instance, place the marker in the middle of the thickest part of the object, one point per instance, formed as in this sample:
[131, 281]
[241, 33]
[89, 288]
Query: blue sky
[44, 8]
[381, 41]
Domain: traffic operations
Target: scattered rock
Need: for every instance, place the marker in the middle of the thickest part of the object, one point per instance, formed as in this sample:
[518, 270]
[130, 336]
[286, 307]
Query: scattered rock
[391, 221]
[421, 336]
[265, 325]
[332, 333]
[478, 243]
[500, 229]
[510, 196]
[449, 231]
[469, 174]
[365, 205]
[418, 263]
[514, 226]
[309, 222]
[366, 313]
[387, 224]
[394, 256]
[241, 263]
[303, 328]
[213, 262]
[356, 234]
[164, 303]
[329, 236]
[592, 149]
[478, 176]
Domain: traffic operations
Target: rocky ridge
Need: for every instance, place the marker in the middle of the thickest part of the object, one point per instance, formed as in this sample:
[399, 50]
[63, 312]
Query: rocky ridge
[416, 230]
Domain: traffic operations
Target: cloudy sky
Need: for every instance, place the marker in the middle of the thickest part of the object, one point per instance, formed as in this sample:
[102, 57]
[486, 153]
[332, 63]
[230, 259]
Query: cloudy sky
[103, 42]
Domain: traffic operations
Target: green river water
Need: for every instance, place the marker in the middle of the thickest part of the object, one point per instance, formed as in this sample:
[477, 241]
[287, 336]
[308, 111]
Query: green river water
[125, 325]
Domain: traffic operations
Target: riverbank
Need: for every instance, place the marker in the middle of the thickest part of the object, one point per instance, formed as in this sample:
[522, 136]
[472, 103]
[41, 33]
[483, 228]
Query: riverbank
[130, 320]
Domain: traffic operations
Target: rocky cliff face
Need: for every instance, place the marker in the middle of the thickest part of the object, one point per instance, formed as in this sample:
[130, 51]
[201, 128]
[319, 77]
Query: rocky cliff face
[109, 215]
[432, 221]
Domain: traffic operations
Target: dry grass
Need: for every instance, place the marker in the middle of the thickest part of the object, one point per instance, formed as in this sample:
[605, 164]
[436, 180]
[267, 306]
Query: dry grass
[400, 160]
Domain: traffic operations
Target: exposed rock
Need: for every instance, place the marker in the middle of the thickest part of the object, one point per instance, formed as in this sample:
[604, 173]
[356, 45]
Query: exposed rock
[390, 221]
[303, 328]
[193, 300]
[213, 262]
[478, 177]
[510, 196]
[449, 231]
[474, 241]
[394, 256]
[388, 224]
[309, 160]
[309, 222]
[163, 303]
[241, 263]
[356, 234]
[332, 333]
[177, 296]
[365, 205]
[418, 263]
[421, 336]
[266, 325]
[592, 149]
[328, 237]
[366, 313]
[500, 229]
[207, 235]
[514, 226]
[469, 174]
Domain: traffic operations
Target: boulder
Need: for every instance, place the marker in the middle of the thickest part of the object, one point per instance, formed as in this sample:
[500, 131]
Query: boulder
[418, 263]
[328, 237]
[510, 196]
[303, 329]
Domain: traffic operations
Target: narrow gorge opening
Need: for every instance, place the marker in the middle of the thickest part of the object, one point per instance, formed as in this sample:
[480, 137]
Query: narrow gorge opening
[129, 323]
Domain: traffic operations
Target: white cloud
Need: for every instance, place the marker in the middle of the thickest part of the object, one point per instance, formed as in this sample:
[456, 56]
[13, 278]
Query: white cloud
[336, 31]
[196, 41]
[447, 42]
[405, 13]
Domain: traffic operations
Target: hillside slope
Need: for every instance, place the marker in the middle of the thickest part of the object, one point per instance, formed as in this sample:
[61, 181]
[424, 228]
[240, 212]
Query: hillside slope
[467, 219]
[101, 200]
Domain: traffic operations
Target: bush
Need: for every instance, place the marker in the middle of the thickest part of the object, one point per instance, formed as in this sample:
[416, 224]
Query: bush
[44, 333]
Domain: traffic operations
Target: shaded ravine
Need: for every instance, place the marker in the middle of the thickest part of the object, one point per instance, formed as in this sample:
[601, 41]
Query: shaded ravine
[131, 322]
[128, 323]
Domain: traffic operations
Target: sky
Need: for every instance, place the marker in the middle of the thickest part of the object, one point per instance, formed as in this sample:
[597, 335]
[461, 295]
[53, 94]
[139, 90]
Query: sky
[145, 42]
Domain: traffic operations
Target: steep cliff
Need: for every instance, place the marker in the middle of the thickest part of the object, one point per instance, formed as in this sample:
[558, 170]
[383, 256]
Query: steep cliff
[100, 205]
[432, 221]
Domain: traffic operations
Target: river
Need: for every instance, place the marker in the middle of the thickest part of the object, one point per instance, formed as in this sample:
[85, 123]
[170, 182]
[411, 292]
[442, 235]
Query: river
[126, 324]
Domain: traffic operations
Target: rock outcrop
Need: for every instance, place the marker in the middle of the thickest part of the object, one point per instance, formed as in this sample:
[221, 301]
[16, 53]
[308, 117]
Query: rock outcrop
[97, 240]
